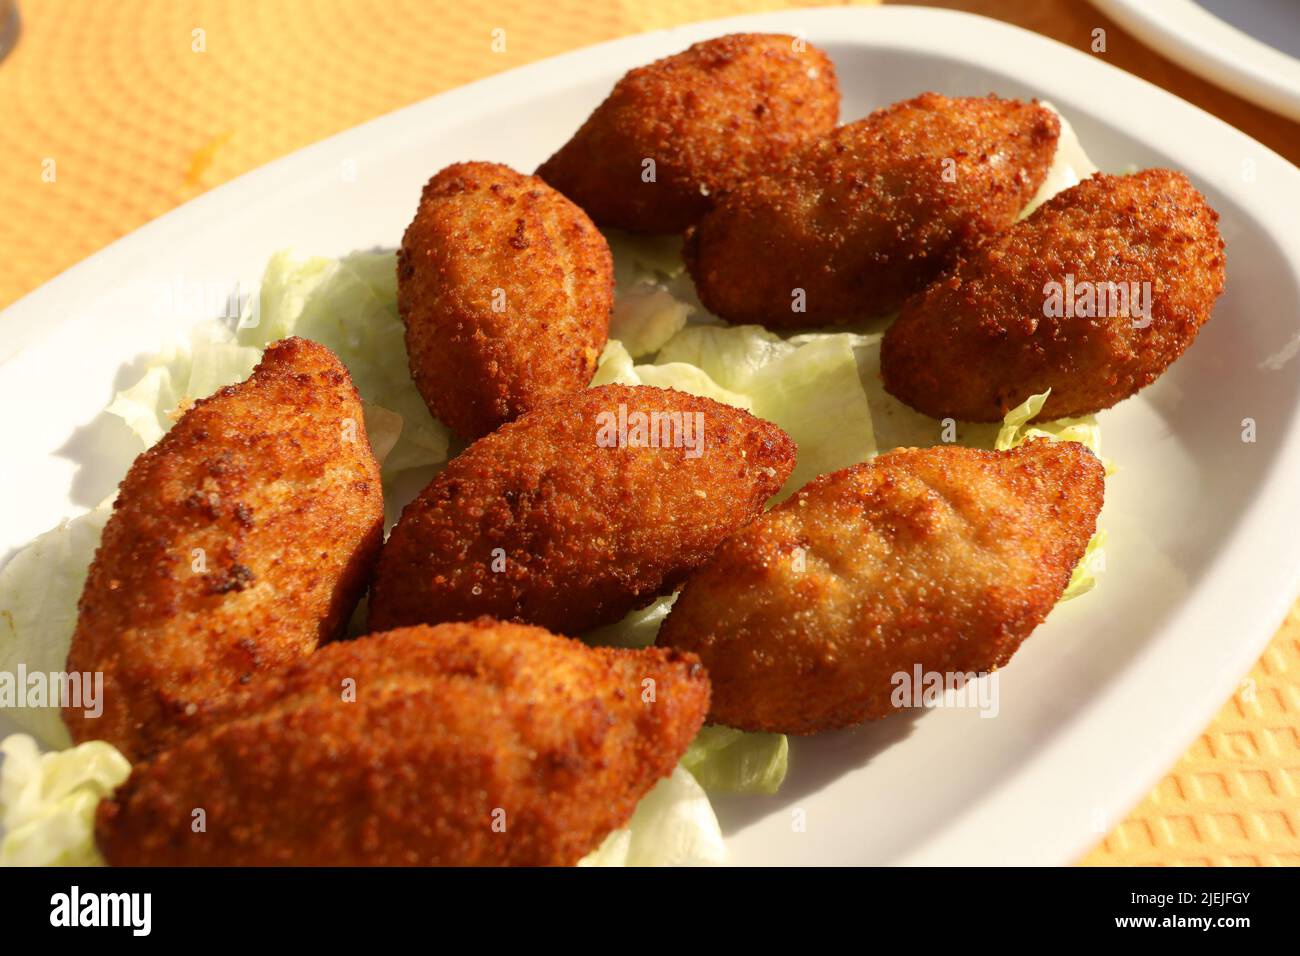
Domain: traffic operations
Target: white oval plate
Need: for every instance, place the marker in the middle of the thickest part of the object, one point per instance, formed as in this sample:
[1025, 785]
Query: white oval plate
[1249, 62]
[1203, 553]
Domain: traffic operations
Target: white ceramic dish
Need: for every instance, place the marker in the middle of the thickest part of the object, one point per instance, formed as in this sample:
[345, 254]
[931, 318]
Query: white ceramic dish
[1252, 50]
[1203, 555]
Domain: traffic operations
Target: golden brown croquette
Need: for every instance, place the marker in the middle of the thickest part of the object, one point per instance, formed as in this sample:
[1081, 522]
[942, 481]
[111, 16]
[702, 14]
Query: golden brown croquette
[859, 220]
[237, 544]
[580, 511]
[465, 744]
[505, 288]
[1011, 319]
[675, 134]
[945, 557]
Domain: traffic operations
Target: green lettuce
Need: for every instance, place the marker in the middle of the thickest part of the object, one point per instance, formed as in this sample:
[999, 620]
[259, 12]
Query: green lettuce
[48, 801]
[179, 376]
[721, 759]
[725, 760]
[39, 591]
[644, 258]
[616, 366]
[810, 385]
[1016, 429]
[646, 316]
[637, 629]
[674, 825]
[348, 305]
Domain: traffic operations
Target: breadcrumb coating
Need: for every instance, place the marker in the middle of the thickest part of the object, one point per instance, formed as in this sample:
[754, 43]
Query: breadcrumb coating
[466, 744]
[980, 340]
[237, 544]
[944, 557]
[709, 118]
[558, 521]
[505, 288]
[857, 221]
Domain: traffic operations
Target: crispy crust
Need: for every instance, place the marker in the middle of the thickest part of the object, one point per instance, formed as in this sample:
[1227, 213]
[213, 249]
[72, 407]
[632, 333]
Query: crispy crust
[863, 218]
[284, 501]
[540, 524]
[710, 117]
[977, 343]
[946, 557]
[446, 727]
[505, 288]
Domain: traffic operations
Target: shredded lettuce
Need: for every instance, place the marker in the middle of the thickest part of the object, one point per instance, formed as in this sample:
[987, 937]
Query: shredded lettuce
[39, 591]
[809, 385]
[726, 760]
[644, 258]
[646, 316]
[1016, 429]
[48, 801]
[348, 305]
[674, 825]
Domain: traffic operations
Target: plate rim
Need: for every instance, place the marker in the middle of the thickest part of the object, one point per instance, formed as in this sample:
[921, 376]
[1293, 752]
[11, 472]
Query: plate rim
[1217, 51]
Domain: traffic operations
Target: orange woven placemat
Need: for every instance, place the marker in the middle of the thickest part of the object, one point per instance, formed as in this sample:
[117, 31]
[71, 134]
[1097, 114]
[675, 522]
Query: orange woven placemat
[113, 113]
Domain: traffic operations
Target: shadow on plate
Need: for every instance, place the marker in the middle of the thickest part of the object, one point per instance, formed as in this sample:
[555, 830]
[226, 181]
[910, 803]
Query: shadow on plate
[816, 762]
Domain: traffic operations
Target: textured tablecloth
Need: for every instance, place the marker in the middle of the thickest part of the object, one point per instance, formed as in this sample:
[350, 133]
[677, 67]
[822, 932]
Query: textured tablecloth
[138, 105]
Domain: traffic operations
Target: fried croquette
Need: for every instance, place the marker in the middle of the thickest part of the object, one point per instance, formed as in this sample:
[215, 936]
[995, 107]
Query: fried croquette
[859, 220]
[1093, 296]
[945, 557]
[237, 544]
[505, 288]
[579, 512]
[674, 134]
[464, 744]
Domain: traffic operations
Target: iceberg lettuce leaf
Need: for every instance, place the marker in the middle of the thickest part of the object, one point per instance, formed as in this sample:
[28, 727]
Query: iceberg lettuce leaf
[350, 306]
[1016, 429]
[730, 355]
[637, 629]
[726, 760]
[616, 366]
[646, 316]
[48, 801]
[674, 825]
[644, 258]
[810, 385]
[39, 591]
